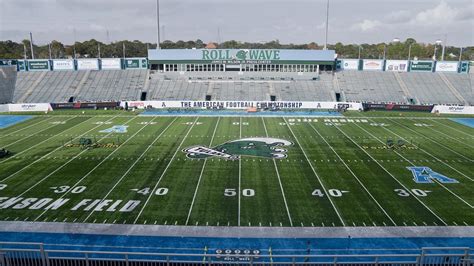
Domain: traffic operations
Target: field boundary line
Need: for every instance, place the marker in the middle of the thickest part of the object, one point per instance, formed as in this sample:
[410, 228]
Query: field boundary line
[34, 135]
[440, 144]
[354, 175]
[431, 155]
[99, 164]
[131, 167]
[279, 179]
[49, 153]
[39, 143]
[458, 130]
[410, 162]
[315, 173]
[164, 172]
[34, 124]
[200, 175]
[394, 178]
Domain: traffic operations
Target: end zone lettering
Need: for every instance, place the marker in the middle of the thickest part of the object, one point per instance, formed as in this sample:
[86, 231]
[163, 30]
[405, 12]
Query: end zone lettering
[97, 205]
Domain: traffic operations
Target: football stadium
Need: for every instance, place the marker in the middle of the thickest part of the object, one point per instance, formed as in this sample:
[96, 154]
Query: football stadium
[236, 156]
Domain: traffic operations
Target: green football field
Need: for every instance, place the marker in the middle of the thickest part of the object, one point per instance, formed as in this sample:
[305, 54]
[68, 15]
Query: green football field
[238, 171]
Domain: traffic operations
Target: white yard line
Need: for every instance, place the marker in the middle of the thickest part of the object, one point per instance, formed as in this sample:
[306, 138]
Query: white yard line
[99, 164]
[410, 162]
[57, 169]
[200, 175]
[164, 172]
[132, 166]
[354, 175]
[39, 143]
[428, 153]
[437, 142]
[22, 129]
[453, 128]
[316, 174]
[279, 179]
[36, 133]
[240, 173]
[394, 178]
[49, 153]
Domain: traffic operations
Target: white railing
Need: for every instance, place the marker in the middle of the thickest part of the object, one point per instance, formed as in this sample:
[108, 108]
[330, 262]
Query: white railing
[35, 254]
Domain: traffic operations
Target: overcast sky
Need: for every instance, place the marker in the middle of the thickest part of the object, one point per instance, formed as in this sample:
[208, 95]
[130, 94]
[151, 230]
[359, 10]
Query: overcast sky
[295, 21]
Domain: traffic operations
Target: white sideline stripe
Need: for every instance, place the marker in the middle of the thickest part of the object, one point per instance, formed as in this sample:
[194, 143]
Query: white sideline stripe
[200, 175]
[279, 179]
[132, 166]
[355, 176]
[36, 133]
[410, 162]
[39, 143]
[164, 172]
[440, 144]
[394, 178]
[316, 174]
[34, 124]
[99, 164]
[49, 153]
[453, 128]
[53, 172]
[432, 156]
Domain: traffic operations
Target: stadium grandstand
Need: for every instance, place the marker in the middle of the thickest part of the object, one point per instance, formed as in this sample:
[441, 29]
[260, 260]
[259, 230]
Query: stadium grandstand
[217, 74]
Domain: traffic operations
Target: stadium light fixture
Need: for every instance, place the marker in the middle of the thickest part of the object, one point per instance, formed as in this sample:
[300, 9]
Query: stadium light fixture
[437, 42]
[360, 48]
[158, 24]
[327, 26]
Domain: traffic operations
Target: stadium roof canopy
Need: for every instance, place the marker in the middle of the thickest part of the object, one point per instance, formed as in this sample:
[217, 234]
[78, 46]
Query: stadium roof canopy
[241, 56]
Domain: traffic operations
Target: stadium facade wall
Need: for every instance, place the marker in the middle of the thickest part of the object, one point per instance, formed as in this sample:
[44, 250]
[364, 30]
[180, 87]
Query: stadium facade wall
[176, 56]
[241, 104]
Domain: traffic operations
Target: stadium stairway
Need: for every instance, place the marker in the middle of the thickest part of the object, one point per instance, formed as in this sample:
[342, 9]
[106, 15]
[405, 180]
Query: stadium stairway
[8, 77]
[453, 89]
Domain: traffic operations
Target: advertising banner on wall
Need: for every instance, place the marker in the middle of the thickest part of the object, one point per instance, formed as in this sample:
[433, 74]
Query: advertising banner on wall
[421, 66]
[445, 66]
[30, 107]
[38, 65]
[63, 64]
[350, 64]
[397, 107]
[443, 109]
[241, 104]
[369, 64]
[111, 63]
[21, 66]
[135, 63]
[396, 65]
[87, 64]
[464, 67]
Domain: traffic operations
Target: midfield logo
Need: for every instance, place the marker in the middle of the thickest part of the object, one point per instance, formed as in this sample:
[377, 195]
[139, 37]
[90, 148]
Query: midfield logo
[232, 150]
[423, 174]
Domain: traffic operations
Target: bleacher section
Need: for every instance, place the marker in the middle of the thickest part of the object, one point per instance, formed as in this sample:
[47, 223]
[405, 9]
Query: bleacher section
[60, 86]
[8, 76]
[358, 86]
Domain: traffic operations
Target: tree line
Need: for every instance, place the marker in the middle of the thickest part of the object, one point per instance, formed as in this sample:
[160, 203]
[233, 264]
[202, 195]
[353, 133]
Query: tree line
[93, 49]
